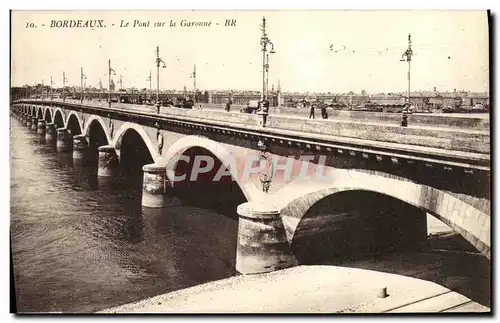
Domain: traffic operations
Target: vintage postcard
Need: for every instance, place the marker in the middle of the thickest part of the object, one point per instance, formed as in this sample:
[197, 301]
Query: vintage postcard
[286, 161]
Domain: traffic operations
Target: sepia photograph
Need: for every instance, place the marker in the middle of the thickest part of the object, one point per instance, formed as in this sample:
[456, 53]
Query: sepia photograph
[250, 162]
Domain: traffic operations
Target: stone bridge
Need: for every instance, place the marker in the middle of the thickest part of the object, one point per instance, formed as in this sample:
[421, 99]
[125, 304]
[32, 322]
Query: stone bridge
[378, 180]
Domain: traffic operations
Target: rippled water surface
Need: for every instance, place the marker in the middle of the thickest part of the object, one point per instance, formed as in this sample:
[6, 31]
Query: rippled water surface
[82, 245]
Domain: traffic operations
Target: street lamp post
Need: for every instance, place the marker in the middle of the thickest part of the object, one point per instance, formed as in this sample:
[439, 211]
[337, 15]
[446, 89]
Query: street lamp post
[406, 57]
[149, 79]
[267, 74]
[110, 70]
[267, 71]
[51, 89]
[194, 84]
[264, 42]
[158, 62]
[100, 88]
[64, 86]
[82, 77]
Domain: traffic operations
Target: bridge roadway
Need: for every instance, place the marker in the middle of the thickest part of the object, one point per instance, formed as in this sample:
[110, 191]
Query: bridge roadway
[481, 119]
[425, 153]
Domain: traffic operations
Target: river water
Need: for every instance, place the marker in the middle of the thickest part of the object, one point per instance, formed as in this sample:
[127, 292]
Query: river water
[80, 246]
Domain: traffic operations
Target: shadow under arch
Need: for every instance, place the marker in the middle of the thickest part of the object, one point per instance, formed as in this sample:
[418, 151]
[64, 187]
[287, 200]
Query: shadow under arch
[47, 115]
[58, 119]
[210, 148]
[204, 189]
[96, 136]
[357, 223]
[92, 123]
[39, 113]
[134, 154]
[139, 130]
[73, 124]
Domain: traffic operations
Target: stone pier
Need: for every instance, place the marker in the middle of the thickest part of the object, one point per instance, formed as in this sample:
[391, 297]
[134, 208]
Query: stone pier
[108, 165]
[41, 127]
[262, 245]
[34, 122]
[28, 121]
[154, 186]
[50, 132]
[80, 146]
[63, 140]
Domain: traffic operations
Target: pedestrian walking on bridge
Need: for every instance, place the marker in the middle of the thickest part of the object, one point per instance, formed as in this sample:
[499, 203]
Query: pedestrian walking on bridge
[404, 118]
[311, 112]
[265, 111]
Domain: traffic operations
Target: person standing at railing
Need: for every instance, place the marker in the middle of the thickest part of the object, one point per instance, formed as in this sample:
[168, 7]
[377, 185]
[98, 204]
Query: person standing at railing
[404, 117]
[324, 114]
[265, 111]
[228, 105]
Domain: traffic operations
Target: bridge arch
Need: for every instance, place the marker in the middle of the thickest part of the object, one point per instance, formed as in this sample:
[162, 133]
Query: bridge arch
[296, 199]
[186, 143]
[39, 112]
[133, 147]
[97, 135]
[73, 123]
[127, 126]
[92, 122]
[58, 118]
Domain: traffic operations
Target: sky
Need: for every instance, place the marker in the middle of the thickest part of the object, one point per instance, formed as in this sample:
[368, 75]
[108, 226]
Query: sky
[316, 51]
